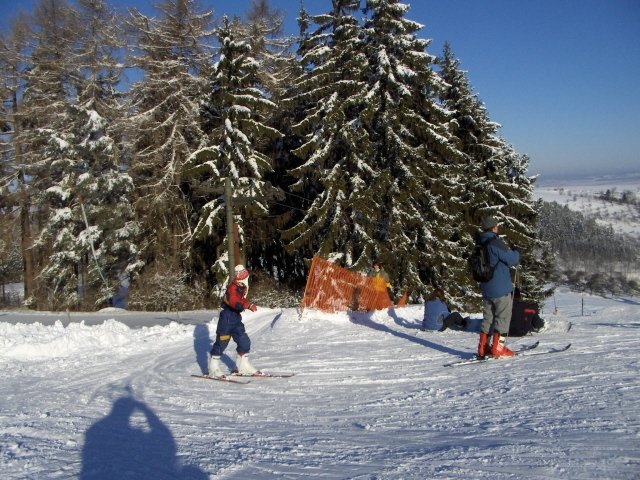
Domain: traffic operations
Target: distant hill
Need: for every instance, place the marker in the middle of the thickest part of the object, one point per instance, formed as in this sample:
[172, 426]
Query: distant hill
[593, 226]
[611, 201]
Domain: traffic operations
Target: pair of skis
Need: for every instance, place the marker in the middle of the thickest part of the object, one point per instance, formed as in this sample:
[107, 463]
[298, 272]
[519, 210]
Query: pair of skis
[523, 351]
[234, 377]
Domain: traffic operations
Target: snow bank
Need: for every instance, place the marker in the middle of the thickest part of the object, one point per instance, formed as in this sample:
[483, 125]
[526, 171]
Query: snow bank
[35, 342]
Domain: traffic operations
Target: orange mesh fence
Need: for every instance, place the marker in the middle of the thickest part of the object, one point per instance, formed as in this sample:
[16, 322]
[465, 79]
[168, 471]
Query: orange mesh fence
[331, 288]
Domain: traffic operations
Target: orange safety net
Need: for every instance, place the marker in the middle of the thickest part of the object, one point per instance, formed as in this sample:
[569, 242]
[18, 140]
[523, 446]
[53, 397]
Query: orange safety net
[331, 288]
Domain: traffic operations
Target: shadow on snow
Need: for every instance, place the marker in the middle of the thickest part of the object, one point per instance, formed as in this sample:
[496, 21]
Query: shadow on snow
[366, 320]
[132, 442]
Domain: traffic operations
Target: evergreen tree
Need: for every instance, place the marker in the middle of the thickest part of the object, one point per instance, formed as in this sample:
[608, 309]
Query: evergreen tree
[268, 47]
[522, 216]
[379, 169]
[236, 121]
[418, 181]
[101, 184]
[496, 180]
[90, 227]
[43, 137]
[476, 136]
[278, 68]
[381, 157]
[335, 175]
[171, 53]
[286, 265]
[13, 50]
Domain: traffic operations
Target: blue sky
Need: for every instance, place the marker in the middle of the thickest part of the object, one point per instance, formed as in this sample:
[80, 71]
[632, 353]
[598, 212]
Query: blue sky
[562, 77]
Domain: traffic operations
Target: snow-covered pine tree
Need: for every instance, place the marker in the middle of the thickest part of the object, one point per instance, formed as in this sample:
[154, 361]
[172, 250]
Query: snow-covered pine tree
[523, 216]
[286, 265]
[335, 175]
[171, 57]
[88, 229]
[496, 181]
[476, 137]
[277, 69]
[110, 232]
[268, 46]
[236, 118]
[419, 181]
[13, 50]
[44, 139]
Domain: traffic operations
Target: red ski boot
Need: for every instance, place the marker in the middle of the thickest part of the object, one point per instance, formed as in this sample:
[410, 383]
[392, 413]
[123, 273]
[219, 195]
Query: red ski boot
[483, 345]
[499, 349]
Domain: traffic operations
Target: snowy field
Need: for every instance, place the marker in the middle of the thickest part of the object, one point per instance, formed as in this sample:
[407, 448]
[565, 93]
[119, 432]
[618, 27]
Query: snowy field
[371, 398]
[582, 196]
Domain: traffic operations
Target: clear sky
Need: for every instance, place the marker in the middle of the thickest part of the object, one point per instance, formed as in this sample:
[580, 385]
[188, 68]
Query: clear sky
[562, 77]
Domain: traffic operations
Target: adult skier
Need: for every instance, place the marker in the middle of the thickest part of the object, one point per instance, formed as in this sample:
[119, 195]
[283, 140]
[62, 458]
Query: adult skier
[230, 326]
[497, 293]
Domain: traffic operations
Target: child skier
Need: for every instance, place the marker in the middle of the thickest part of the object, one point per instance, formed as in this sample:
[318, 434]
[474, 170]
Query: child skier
[230, 326]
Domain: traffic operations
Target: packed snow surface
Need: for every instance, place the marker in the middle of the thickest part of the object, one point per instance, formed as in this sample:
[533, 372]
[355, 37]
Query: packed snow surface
[370, 399]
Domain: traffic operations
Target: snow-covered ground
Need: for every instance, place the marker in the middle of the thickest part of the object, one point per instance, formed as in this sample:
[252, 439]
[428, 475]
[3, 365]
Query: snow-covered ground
[371, 398]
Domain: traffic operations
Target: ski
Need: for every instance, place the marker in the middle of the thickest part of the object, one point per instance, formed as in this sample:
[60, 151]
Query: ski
[524, 352]
[476, 359]
[264, 375]
[224, 378]
[551, 350]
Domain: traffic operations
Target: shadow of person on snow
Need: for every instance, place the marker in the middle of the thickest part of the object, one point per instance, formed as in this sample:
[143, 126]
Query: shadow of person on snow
[367, 320]
[132, 442]
[202, 346]
[403, 322]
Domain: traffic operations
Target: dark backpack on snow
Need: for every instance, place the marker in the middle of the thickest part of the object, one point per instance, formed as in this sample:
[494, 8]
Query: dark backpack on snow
[481, 270]
[524, 318]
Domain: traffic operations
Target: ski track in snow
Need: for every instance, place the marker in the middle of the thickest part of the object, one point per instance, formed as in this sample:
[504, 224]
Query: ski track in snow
[371, 399]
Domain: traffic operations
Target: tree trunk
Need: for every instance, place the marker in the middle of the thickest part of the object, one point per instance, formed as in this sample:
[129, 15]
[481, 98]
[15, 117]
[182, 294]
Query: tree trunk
[25, 207]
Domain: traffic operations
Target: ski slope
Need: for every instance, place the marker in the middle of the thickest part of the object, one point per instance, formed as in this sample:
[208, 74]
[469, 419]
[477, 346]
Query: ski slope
[371, 398]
